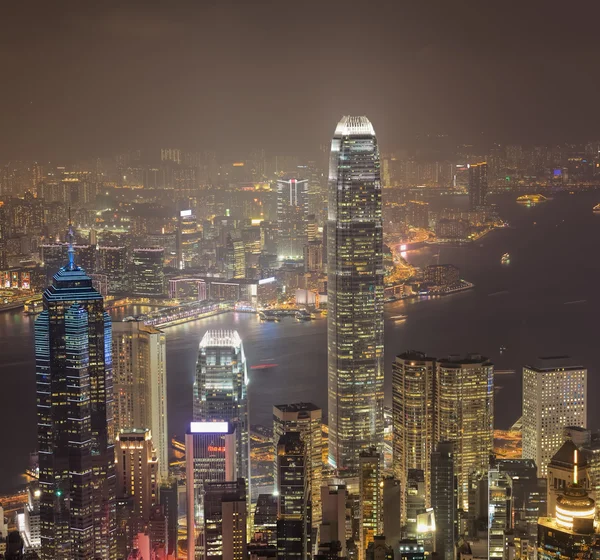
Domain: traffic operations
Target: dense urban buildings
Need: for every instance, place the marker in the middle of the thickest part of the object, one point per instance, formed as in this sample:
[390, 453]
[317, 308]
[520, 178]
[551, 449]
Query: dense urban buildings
[554, 397]
[75, 430]
[355, 293]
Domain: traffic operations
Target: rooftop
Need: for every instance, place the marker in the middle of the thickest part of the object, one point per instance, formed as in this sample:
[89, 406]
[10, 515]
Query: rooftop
[354, 126]
[223, 338]
[552, 363]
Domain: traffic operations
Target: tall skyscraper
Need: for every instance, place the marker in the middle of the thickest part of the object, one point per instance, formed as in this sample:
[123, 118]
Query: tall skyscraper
[220, 388]
[444, 494]
[189, 237]
[306, 419]
[140, 384]
[75, 420]
[392, 510]
[355, 293]
[370, 478]
[333, 525]
[465, 388]
[292, 214]
[148, 271]
[499, 511]
[112, 261]
[478, 186]
[293, 523]
[235, 256]
[554, 397]
[137, 472]
[210, 454]
[414, 413]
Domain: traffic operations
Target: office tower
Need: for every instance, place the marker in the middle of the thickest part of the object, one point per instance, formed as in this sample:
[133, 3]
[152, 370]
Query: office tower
[554, 396]
[465, 388]
[499, 511]
[370, 476]
[168, 499]
[210, 455]
[415, 500]
[294, 522]
[235, 256]
[265, 517]
[292, 217]
[220, 388]
[413, 413]
[305, 418]
[570, 531]
[411, 549]
[148, 273]
[478, 186]
[355, 293]
[313, 257]
[225, 520]
[392, 510]
[378, 549]
[189, 236]
[158, 530]
[75, 420]
[112, 261]
[333, 524]
[140, 384]
[444, 495]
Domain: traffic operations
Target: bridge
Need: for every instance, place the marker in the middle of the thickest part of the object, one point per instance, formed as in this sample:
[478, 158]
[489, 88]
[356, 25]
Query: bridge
[177, 315]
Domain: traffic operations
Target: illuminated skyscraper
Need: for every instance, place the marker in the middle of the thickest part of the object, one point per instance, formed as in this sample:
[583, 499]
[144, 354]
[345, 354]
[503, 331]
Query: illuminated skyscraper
[112, 261]
[499, 511]
[465, 388]
[75, 420]
[220, 388]
[413, 410]
[188, 239]
[478, 186]
[355, 293]
[444, 499]
[235, 256]
[554, 397]
[305, 418]
[148, 272]
[370, 478]
[292, 214]
[140, 384]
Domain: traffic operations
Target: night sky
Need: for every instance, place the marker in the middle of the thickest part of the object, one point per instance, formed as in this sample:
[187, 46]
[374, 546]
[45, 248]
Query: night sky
[87, 78]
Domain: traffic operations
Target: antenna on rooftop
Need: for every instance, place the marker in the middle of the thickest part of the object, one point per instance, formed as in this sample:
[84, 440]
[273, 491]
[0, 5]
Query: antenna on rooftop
[71, 250]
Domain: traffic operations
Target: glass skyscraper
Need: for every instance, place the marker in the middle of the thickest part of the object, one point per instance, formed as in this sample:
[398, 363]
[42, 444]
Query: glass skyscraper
[75, 416]
[292, 213]
[220, 388]
[354, 293]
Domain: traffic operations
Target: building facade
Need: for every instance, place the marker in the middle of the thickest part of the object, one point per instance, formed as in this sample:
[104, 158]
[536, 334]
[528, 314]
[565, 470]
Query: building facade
[355, 293]
[292, 214]
[478, 185]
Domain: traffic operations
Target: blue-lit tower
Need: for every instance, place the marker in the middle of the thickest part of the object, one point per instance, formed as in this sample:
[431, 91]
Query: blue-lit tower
[75, 417]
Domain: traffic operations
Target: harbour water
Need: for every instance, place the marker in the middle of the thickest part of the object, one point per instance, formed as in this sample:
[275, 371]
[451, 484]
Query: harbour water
[545, 302]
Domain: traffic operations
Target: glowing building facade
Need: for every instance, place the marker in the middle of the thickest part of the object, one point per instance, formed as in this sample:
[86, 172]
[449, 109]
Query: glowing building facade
[355, 293]
[292, 213]
[554, 397]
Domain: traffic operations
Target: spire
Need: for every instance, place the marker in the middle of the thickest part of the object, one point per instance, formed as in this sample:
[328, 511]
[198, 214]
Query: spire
[71, 250]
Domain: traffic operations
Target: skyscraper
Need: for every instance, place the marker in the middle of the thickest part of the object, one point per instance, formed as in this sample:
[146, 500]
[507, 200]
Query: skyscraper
[148, 272]
[292, 213]
[75, 420]
[306, 419]
[140, 384]
[355, 293]
[220, 388]
[370, 479]
[444, 494]
[499, 511]
[465, 388]
[554, 397]
[478, 186]
[414, 413]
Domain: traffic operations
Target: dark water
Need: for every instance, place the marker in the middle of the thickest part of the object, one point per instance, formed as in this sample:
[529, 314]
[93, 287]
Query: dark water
[520, 306]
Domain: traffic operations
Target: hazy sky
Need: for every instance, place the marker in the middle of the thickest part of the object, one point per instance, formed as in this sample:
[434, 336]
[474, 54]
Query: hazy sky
[96, 77]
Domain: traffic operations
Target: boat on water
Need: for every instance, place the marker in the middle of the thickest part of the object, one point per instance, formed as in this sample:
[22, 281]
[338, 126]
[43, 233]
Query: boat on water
[303, 316]
[505, 258]
[263, 366]
[532, 199]
[399, 317]
[596, 209]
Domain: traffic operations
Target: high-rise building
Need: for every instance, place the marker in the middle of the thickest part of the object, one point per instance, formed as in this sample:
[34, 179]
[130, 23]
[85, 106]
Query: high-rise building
[305, 418]
[294, 522]
[333, 525]
[189, 236]
[370, 478]
[392, 510]
[378, 549]
[235, 256]
[355, 293]
[413, 413]
[210, 454]
[415, 501]
[137, 471]
[220, 388]
[465, 415]
[292, 214]
[112, 261]
[499, 511]
[444, 495]
[168, 497]
[478, 186]
[75, 420]
[140, 384]
[225, 520]
[148, 272]
[265, 517]
[554, 396]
